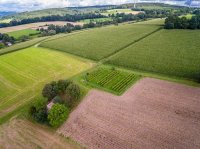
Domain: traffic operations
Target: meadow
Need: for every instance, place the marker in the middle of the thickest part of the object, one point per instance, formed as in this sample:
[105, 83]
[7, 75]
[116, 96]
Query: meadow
[25, 32]
[100, 43]
[110, 79]
[23, 74]
[167, 52]
[115, 11]
[86, 21]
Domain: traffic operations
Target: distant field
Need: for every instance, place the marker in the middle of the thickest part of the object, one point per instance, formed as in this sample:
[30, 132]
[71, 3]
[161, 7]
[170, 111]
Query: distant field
[5, 21]
[115, 11]
[113, 80]
[34, 26]
[99, 43]
[23, 74]
[86, 21]
[27, 32]
[168, 52]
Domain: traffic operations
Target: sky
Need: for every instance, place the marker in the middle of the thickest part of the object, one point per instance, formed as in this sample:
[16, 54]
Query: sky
[27, 5]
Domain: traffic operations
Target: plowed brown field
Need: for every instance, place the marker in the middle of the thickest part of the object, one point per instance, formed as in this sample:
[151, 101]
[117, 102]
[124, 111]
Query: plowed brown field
[153, 114]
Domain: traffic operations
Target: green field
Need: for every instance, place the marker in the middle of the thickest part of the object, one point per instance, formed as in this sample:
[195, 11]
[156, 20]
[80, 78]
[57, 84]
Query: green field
[23, 74]
[24, 32]
[86, 21]
[110, 79]
[168, 52]
[5, 20]
[99, 43]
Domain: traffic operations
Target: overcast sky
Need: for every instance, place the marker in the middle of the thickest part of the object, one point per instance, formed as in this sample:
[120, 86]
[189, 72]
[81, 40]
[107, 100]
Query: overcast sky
[27, 5]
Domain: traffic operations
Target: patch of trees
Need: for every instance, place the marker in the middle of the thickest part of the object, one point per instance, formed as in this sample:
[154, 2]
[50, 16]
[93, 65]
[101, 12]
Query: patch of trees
[63, 95]
[67, 17]
[175, 22]
[5, 39]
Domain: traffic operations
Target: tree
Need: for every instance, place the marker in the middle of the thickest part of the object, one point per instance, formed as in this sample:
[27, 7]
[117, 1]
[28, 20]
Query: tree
[50, 90]
[62, 86]
[57, 115]
[2, 45]
[74, 91]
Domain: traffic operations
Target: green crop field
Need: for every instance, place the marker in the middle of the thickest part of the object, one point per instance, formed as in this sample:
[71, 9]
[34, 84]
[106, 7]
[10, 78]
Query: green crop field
[110, 79]
[99, 43]
[26, 32]
[23, 74]
[86, 21]
[169, 52]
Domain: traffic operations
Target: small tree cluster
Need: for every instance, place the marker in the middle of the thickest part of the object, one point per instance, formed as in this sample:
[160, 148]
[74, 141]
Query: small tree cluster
[62, 88]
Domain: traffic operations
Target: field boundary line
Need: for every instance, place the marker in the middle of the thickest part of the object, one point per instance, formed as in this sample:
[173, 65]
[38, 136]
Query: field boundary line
[128, 45]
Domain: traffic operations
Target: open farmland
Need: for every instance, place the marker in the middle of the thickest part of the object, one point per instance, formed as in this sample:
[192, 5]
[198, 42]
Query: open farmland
[99, 43]
[25, 32]
[111, 79]
[35, 26]
[115, 11]
[23, 74]
[152, 114]
[22, 134]
[168, 52]
[87, 21]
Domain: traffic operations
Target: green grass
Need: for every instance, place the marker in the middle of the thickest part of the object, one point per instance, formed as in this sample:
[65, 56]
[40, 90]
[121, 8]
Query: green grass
[23, 74]
[110, 79]
[86, 21]
[5, 21]
[115, 11]
[26, 32]
[22, 45]
[167, 52]
[99, 43]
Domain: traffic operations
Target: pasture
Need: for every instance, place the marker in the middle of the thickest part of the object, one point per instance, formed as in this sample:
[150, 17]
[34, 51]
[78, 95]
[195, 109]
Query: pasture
[167, 52]
[110, 79]
[23, 74]
[153, 114]
[100, 43]
[25, 32]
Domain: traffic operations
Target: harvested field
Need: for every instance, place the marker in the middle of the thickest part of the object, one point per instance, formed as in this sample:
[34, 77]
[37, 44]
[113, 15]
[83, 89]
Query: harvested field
[35, 26]
[153, 114]
[22, 134]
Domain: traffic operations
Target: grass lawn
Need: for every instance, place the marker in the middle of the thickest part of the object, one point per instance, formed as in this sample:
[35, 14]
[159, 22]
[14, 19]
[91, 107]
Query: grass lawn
[110, 79]
[99, 43]
[26, 32]
[168, 52]
[23, 74]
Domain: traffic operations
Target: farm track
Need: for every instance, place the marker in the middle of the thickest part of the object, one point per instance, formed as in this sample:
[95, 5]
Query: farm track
[152, 114]
[128, 45]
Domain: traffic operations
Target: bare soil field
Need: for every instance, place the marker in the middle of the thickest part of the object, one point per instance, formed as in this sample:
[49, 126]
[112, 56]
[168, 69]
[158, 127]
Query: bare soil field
[22, 134]
[35, 26]
[153, 114]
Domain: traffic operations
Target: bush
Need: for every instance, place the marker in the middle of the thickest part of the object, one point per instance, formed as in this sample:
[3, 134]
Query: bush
[39, 111]
[57, 115]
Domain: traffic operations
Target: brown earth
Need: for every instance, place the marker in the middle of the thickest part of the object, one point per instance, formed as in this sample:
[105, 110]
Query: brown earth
[153, 114]
[23, 134]
[35, 26]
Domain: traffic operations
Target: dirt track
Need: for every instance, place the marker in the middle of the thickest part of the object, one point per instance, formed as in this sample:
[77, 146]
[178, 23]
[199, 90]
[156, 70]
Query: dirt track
[153, 114]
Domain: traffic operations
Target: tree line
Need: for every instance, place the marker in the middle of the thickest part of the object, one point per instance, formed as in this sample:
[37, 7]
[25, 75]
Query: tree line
[176, 22]
[67, 17]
